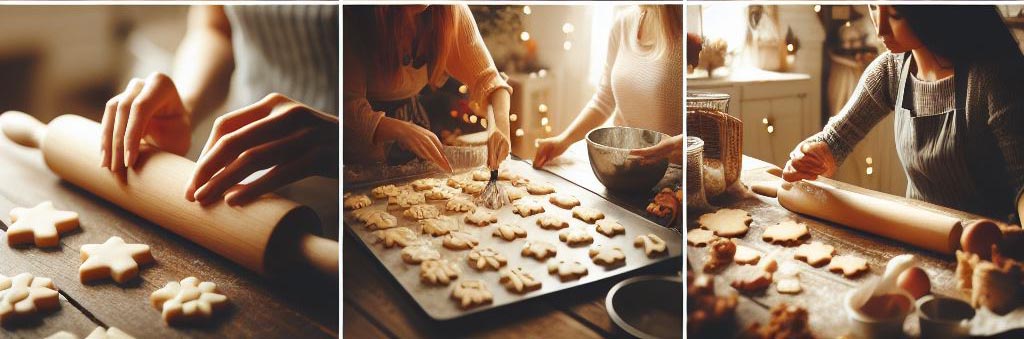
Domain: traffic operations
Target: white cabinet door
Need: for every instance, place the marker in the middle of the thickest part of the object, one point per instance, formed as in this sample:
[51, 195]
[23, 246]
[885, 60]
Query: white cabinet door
[772, 127]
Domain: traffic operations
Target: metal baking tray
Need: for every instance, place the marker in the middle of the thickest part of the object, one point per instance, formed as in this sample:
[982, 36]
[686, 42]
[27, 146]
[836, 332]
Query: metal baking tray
[436, 300]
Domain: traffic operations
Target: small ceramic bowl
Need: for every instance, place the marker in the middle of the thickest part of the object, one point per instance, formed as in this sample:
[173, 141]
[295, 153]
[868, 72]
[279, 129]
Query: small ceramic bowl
[866, 326]
[648, 307]
[941, 317]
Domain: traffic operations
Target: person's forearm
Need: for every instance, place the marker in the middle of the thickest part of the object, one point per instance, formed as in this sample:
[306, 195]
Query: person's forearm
[501, 100]
[586, 121]
[204, 61]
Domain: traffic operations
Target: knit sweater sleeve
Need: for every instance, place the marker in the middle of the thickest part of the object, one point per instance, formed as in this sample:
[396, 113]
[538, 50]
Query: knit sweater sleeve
[1003, 86]
[871, 101]
[470, 62]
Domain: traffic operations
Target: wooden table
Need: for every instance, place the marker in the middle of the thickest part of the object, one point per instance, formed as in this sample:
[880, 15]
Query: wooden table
[376, 306]
[823, 291]
[261, 307]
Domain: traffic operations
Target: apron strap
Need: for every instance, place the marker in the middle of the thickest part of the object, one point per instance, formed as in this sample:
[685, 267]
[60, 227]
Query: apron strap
[904, 73]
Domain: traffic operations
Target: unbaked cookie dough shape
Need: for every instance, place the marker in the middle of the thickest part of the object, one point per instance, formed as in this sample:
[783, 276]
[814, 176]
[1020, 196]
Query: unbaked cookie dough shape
[699, 237]
[415, 254]
[587, 214]
[653, 244]
[848, 266]
[574, 236]
[483, 259]
[98, 333]
[471, 293]
[517, 280]
[527, 207]
[24, 297]
[509, 232]
[551, 222]
[41, 225]
[481, 218]
[189, 301]
[726, 222]
[438, 272]
[566, 269]
[113, 259]
[401, 236]
[815, 253]
[459, 240]
[610, 228]
[746, 256]
[606, 255]
[787, 232]
[357, 201]
[563, 200]
[539, 249]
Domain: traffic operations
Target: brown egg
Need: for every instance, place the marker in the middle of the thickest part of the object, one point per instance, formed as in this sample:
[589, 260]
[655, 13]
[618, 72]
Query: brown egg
[979, 236]
[915, 281]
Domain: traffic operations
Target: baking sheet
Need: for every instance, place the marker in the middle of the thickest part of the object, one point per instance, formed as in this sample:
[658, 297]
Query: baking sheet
[436, 300]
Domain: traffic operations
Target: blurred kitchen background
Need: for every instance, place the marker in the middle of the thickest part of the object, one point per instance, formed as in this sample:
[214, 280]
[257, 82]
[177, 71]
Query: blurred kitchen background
[788, 68]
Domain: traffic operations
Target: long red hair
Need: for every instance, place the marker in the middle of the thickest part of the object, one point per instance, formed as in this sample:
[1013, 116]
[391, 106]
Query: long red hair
[386, 34]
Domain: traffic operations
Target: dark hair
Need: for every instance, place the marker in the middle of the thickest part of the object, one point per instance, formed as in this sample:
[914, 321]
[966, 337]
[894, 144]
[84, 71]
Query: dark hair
[963, 34]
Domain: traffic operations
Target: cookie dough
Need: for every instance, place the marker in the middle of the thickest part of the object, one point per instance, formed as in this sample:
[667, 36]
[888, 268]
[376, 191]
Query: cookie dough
[401, 236]
[587, 214]
[438, 194]
[473, 188]
[720, 254]
[471, 293]
[98, 333]
[574, 236]
[481, 218]
[509, 232]
[378, 220]
[459, 240]
[416, 254]
[189, 301]
[407, 199]
[41, 225]
[460, 205]
[606, 255]
[746, 255]
[515, 193]
[567, 270]
[25, 297]
[551, 222]
[113, 259]
[540, 188]
[422, 211]
[751, 280]
[610, 227]
[726, 222]
[438, 272]
[456, 183]
[849, 266]
[424, 184]
[815, 253]
[482, 175]
[386, 191]
[539, 249]
[787, 232]
[518, 280]
[484, 259]
[563, 200]
[439, 226]
[653, 244]
[357, 201]
[527, 207]
[700, 237]
[789, 279]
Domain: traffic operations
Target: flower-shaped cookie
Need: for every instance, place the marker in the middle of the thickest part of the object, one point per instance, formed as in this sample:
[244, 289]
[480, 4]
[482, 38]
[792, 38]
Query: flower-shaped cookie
[377, 220]
[407, 199]
[518, 280]
[381, 192]
[470, 293]
[539, 249]
[41, 225]
[438, 193]
[189, 301]
[564, 200]
[415, 254]
[575, 236]
[438, 226]
[459, 240]
[587, 214]
[113, 259]
[401, 236]
[483, 259]
[481, 218]
[422, 211]
[567, 270]
[527, 207]
[460, 205]
[540, 188]
[605, 255]
[438, 272]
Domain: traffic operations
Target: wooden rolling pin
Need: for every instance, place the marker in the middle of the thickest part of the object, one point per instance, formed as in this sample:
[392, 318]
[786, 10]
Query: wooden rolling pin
[267, 235]
[915, 226]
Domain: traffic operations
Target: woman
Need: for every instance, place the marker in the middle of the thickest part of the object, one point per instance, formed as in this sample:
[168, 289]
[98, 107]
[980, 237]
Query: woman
[392, 54]
[290, 85]
[641, 85]
[953, 75]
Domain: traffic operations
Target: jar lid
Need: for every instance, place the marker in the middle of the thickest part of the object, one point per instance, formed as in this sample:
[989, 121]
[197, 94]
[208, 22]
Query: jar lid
[705, 96]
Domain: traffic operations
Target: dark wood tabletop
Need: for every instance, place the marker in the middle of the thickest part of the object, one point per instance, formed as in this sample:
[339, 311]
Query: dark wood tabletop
[261, 307]
[377, 307]
[823, 291]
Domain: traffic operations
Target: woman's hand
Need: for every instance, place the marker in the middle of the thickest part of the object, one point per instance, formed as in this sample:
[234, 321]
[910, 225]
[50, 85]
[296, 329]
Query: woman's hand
[497, 148]
[148, 108]
[294, 139]
[418, 140]
[809, 160]
[549, 148]
[671, 148]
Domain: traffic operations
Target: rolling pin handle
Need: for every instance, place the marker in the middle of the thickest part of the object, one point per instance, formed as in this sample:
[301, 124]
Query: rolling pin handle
[22, 128]
[321, 254]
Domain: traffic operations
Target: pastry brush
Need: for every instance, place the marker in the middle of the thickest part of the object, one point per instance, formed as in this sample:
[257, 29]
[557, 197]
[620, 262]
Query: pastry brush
[493, 196]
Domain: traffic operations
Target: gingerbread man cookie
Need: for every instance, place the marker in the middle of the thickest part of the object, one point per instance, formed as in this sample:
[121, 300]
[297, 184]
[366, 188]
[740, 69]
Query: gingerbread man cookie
[518, 280]
[574, 236]
[527, 207]
[606, 255]
[113, 259]
[401, 236]
[509, 232]
[24, 297]
[551, 222]
[610, 227]
[815, 253]
[540, 188]
[459, 205]
[422, 211]
[357, 201]
[416, 254]
[563, 200]
[787, 232]
[459, 240]
[539, 249]
[587, 214]
[567, 270]
[848, 265]
[699, 237]
[726, 222]
[438, 272]
[41, 225]
[483, 259]
[470, 293]
[653, 244]
[439, 226]
[189, 301]
[481, 218]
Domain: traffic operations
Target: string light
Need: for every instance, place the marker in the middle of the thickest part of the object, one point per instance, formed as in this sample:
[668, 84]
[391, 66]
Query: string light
[542, 73]
[542, 108]
[547, 128]
[868, 160]
[817, 8]
[533, 75]
[463, 89]
[513, 117]
[567, 28]
[789, 47]
[519, 132]
[848, 24]
[544, 121]
[465, 118]
[454, 113]
[869, 170]
[472, 119]
[527, 10]
[483, 122]
[567, 45]
[525, 36]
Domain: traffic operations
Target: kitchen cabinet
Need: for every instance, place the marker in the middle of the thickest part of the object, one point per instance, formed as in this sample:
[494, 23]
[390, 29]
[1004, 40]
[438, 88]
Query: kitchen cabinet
[874, 164]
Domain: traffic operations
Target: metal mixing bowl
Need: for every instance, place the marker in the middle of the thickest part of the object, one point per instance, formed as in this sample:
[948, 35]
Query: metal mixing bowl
[609, 148]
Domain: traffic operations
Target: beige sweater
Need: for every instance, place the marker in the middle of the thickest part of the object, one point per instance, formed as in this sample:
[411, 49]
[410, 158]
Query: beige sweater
[469, 62]
[638, 87]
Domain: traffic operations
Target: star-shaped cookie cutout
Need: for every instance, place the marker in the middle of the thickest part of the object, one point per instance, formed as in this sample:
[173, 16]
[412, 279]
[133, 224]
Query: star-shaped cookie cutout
[726, 222]
[24, 297]
[41, 225]
[113, 259]
[815, 253]
[189, 301]
[787, 232]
